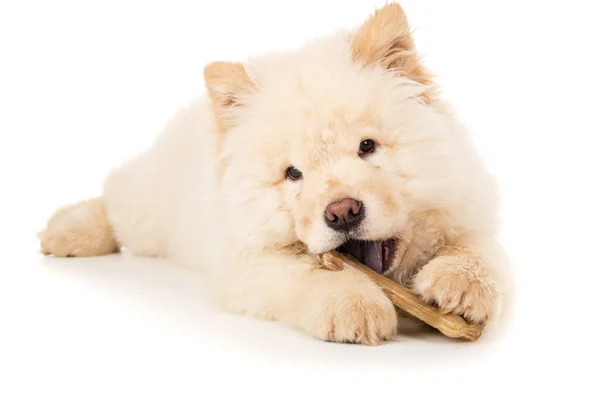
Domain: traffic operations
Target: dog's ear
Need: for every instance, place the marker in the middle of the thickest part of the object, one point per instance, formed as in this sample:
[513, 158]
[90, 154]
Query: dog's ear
[228, 84]
[385, 39]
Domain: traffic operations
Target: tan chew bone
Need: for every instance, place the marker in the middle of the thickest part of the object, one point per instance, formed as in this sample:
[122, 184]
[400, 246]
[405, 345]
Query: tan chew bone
[450, 325]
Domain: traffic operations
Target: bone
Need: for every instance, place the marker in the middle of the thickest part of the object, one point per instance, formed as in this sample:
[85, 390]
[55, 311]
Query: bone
[450, 325]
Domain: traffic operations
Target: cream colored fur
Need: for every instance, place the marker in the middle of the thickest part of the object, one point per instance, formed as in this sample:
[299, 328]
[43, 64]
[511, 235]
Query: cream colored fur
[211, 192]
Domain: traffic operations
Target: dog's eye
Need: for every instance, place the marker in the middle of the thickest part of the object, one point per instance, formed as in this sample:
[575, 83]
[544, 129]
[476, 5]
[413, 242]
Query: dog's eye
[366, 146]
[293, 173]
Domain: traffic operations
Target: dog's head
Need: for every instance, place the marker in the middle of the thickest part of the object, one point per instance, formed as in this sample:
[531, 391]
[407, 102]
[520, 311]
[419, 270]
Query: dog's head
[332, 144]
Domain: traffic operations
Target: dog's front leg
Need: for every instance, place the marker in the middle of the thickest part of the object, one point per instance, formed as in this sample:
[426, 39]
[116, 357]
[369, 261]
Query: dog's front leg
[339, 306]
[459, 281]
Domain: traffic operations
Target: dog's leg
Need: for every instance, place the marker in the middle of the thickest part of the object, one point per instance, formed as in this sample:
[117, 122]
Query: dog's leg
[79, 230]
[458, 281]
[339, 306]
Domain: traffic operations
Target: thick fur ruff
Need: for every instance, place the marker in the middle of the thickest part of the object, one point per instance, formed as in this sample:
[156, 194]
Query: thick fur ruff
[212, 192]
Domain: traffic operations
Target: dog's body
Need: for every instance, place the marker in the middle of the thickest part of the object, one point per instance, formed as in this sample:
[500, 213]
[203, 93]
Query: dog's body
[342, 141]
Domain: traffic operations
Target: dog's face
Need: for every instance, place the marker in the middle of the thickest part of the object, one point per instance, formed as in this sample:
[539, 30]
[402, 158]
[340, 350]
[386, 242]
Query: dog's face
[332, 145]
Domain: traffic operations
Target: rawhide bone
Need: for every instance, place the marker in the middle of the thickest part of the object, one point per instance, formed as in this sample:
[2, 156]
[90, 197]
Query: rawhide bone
[450, 325]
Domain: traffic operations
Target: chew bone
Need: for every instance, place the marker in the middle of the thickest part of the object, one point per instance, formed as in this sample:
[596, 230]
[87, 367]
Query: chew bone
[450, 325]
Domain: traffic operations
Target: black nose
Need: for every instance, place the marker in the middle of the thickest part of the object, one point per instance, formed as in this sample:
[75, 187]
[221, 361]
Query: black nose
[344, 214]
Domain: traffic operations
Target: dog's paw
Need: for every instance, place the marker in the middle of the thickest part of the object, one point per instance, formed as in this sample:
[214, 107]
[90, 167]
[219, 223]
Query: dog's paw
[363, 316]
[458, 284]
[78, 230]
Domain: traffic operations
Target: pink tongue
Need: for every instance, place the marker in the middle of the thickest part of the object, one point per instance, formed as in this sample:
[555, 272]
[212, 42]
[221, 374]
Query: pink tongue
[373, 256]
[368, 253]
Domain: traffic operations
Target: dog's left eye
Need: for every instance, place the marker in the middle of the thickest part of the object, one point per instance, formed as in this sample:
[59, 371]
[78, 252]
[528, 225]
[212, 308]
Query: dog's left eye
[366, 146]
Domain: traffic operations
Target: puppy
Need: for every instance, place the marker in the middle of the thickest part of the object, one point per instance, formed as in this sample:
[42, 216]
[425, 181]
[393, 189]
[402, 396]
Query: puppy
[340, 144]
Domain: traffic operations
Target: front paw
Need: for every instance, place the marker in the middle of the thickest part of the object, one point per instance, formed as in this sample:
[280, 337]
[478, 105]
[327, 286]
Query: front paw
[358, 314]
[459, 285]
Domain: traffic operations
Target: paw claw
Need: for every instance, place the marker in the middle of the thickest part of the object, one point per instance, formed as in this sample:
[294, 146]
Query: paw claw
[331, 333]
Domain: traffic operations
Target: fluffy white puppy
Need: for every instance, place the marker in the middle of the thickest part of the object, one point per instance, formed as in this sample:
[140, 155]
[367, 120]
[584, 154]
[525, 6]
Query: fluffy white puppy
[343, 143]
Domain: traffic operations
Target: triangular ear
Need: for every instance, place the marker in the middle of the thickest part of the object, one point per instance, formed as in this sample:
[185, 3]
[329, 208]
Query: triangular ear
[228, 84]
[385, 39]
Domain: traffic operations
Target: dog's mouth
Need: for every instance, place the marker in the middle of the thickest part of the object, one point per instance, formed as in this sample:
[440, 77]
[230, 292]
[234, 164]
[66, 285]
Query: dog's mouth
[377, 255]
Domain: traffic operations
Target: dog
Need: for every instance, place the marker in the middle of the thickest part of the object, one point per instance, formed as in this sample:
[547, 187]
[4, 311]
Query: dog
[343, 143]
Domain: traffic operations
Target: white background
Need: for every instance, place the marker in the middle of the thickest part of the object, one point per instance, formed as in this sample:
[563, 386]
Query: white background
[84, 84]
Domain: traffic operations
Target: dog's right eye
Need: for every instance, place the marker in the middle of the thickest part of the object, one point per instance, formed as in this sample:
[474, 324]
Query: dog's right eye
[293, 173]
[366, 147]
